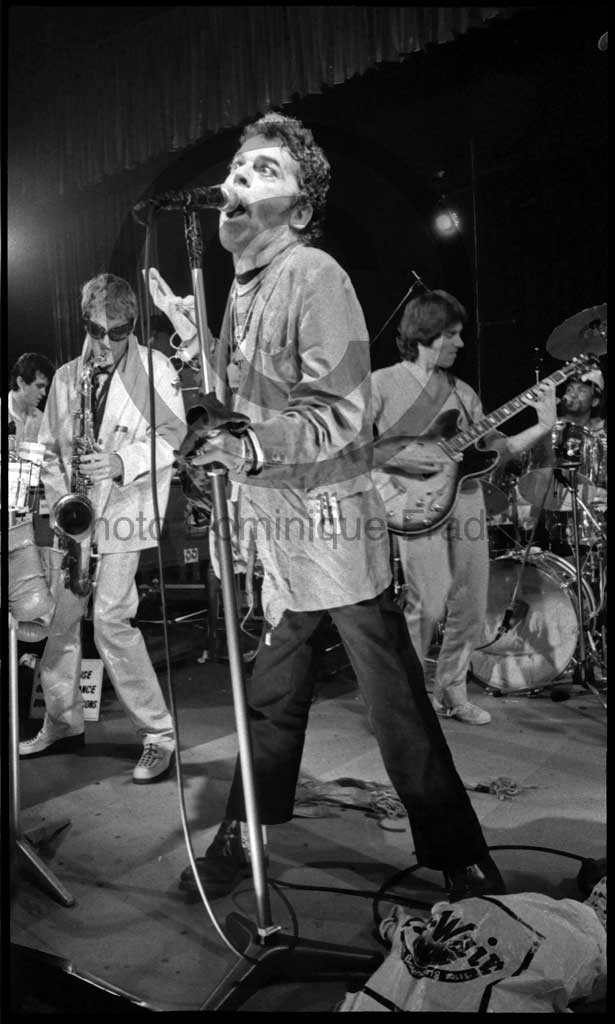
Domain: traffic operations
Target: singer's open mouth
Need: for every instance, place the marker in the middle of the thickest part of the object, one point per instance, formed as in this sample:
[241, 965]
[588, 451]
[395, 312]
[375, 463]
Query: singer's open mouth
[235, 212]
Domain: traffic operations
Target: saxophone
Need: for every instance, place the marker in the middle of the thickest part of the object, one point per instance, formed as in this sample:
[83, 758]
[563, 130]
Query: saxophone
[72, 517]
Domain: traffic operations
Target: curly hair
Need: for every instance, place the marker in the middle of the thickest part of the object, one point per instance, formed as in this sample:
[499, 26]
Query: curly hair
[314, 169]
[425, 318]
[114, 293]
[27, 367]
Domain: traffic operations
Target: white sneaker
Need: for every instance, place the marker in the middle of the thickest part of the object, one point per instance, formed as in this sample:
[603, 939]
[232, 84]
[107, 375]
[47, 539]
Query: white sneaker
[468, 713]
[46, 743]
[153, 765]
[471, 714]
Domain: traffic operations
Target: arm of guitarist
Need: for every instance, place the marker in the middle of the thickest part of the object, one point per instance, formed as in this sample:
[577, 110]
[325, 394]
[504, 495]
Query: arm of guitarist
[403, 455]
[546, 412]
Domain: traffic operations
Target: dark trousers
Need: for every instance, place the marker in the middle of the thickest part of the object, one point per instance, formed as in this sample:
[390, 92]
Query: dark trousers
[444, 826]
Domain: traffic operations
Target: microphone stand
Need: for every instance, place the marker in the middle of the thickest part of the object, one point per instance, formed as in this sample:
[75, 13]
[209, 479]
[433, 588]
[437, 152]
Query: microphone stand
[266, 953]
[20, 840]
[417, 281]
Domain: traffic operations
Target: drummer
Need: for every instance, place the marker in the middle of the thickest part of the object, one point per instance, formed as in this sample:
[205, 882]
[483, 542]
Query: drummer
[582, 401]
[581, 405]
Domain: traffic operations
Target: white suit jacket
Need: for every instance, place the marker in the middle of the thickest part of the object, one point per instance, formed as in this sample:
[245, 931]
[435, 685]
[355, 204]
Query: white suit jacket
[125, 519]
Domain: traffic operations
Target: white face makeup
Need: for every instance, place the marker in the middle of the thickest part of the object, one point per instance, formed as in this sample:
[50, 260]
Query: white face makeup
[264, 176]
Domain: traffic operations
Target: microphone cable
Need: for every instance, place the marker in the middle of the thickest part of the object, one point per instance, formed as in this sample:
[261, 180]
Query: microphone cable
[385, 894]
[170, 691]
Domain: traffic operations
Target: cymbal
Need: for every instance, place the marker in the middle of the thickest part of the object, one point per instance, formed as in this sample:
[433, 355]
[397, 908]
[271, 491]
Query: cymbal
[584, 332]
[496, 501]
[557, 498]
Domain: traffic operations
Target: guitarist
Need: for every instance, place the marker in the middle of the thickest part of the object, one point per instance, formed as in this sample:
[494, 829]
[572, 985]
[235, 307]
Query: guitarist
[446, 571]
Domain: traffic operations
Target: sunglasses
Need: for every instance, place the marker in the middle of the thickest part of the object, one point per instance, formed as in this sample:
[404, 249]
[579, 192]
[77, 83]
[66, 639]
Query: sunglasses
[98, 332]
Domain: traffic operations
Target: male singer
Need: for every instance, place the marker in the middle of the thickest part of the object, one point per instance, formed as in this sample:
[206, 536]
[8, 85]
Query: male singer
[295, 345]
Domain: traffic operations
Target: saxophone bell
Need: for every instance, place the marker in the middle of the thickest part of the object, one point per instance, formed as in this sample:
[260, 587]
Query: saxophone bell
[73, 517]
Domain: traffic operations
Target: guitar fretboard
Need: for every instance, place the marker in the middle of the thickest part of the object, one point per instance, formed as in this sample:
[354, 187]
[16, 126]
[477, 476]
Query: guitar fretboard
[506, 412]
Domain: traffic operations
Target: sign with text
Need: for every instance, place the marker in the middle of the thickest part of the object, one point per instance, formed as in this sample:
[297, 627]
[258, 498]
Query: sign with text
[90, 685]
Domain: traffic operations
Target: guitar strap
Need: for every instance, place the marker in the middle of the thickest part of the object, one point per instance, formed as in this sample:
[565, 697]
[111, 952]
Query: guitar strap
[426, 408]
[453, 382]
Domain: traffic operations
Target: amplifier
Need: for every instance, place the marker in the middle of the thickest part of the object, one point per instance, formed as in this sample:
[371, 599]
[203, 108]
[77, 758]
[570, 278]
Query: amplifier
[184, 544]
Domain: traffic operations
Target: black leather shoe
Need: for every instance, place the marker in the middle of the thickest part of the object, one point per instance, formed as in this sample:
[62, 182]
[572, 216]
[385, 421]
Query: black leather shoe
[590, 872]
[480, 879]
[223, 866]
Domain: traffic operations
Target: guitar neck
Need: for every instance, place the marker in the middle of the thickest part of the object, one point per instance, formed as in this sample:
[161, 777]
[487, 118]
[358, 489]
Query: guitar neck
[507, 411]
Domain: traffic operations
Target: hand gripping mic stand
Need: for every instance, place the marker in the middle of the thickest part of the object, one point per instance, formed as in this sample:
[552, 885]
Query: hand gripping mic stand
[266, 953]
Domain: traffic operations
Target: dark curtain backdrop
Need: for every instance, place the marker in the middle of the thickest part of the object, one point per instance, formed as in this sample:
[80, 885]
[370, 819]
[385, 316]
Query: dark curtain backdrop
[95, 118]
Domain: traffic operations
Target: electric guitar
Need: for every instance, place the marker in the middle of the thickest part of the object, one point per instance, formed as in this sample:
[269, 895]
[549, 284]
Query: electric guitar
[418, 504]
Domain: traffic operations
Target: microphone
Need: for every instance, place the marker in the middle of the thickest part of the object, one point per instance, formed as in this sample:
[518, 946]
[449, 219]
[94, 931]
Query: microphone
[514, 614]
[419, 280]
[205, 197]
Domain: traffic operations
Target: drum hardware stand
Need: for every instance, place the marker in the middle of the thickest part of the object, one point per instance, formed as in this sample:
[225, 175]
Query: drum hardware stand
[583, 672]
[514, 503]
[265, 952]
[516, 609]
[24, 843]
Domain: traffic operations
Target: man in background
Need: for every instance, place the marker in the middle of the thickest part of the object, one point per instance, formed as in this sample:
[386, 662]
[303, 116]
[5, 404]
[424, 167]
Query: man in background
[446, 570]
[30, 378]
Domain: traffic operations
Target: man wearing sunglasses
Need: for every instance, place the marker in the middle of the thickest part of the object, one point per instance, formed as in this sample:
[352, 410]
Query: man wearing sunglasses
[117, 466]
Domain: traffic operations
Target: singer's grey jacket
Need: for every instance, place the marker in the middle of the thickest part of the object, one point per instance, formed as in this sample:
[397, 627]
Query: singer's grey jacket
[124, 511]
[303, 380]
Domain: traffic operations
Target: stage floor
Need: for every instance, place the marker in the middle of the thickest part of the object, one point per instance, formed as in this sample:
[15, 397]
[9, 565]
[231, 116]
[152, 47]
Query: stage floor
[121, 855]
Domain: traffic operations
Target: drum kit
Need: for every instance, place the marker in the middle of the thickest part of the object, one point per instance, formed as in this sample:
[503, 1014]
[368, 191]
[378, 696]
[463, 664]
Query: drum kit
[34, 576]
[546, 615]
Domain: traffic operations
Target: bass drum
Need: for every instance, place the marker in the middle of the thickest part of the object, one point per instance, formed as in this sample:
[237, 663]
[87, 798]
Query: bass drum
[544, 627]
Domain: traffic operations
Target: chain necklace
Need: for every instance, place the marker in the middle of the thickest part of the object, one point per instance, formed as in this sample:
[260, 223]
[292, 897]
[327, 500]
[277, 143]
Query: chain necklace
[240, 330]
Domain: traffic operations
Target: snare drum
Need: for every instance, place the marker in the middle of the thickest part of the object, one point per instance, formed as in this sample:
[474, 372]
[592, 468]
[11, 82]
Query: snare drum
[588, 446]
[514, 530]
[23, 479]
[544, 628]
[591, 525]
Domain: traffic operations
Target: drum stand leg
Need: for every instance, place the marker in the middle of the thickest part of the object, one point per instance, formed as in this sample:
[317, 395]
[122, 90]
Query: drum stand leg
[583, 672]
[24, 843]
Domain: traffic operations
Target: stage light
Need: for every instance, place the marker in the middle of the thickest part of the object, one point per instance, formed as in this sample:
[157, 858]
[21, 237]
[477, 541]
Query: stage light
[447, 222]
